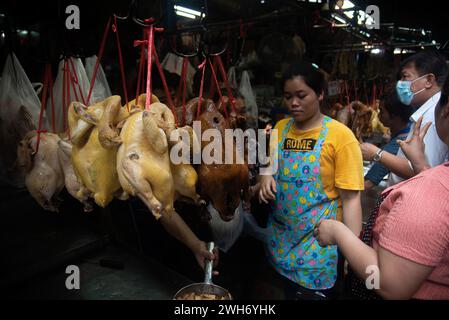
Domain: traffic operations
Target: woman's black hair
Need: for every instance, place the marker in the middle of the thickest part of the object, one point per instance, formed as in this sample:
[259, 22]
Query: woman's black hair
[444, 99]
[426, 62]
[395, 107]
[310, 73]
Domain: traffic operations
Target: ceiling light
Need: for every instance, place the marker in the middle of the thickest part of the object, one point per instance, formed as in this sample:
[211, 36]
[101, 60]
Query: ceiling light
[185, 14]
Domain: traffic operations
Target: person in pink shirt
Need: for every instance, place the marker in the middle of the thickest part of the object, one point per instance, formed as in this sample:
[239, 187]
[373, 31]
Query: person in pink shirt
[403, 251]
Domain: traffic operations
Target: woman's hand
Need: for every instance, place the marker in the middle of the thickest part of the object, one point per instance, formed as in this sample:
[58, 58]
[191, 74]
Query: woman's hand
[267, 189]
[325, 231]
[368, 151]
[201, 254]
[413, 148]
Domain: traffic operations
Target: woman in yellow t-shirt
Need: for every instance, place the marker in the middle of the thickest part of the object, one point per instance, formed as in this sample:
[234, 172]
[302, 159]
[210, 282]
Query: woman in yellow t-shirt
[319, 176]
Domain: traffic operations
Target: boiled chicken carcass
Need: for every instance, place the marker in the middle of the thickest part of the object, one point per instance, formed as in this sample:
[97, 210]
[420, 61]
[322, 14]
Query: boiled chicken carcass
[72, 183]
[94, 160]
[143, 163]
[44, 176]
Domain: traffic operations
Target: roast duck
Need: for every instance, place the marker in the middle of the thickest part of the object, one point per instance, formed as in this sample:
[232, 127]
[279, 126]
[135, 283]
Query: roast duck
[222, 185]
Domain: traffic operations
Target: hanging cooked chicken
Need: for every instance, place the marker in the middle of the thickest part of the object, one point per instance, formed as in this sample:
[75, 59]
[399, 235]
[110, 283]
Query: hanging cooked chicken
[94, 159]
[143, 163]
[44, 176]
[73, 185]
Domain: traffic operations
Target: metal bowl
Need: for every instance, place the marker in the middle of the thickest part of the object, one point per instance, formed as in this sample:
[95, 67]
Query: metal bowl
[204, 288]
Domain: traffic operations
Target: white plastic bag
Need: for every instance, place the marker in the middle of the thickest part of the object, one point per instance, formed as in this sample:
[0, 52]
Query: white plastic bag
[226, 233]
[101, 88]
[250, 100]
[83, 86]
[19, 113]
[232, 78]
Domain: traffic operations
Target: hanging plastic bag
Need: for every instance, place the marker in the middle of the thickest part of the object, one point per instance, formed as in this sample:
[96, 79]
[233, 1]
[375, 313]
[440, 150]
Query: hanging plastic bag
[79, 89]
[101, 88]
[226, 233]
[19, 113]
[232, 78]
[250, 100]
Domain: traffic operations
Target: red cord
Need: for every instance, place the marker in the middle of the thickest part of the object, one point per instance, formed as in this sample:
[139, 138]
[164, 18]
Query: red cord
[201, 66]
[214, 76]
[53, 117]
[214, 85]
[64, 98]
[120, 57]
[141, 69]
[164, 83]
[150, 33]
[100, 56]
[76, 81]
[41, 114]
[228, 87]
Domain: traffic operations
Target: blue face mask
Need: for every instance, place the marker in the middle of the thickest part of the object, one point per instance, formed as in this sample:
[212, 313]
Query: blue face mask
[404, 90]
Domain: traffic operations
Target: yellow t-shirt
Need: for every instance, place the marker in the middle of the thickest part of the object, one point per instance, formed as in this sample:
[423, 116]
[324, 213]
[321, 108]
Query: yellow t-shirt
[341, 158]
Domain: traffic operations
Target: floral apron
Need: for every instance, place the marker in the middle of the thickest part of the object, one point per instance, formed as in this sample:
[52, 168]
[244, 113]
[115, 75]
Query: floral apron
[301, 203]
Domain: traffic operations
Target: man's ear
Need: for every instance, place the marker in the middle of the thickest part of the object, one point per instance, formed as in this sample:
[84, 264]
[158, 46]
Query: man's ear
[431, 80]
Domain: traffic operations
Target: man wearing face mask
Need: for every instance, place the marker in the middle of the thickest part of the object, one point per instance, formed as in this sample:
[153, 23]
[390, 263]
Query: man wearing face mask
[421, 78]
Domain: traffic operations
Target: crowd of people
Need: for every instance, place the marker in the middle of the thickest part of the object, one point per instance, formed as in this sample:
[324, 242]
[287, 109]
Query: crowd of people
[315, 194]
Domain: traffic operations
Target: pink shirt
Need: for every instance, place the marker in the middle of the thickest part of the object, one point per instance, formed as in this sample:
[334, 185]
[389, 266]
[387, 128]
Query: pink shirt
[413, 223]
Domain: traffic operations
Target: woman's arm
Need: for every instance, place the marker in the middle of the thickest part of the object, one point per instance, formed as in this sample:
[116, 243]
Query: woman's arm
[399, 278]
[352, 210]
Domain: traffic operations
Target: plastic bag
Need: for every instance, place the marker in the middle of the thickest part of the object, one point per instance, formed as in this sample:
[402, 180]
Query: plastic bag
[232, 78]
[19, 113]
[101, 88]
[226, 233]
[82, 90]
[250, 100]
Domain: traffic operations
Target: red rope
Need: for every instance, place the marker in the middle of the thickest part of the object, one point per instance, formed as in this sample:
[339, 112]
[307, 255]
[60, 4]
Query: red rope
[184, 90]
[150, 33]
[64, 98]
[214, 85]
[100, 56]
[374, 93]
[43, 102]
[164, 83]
[214, 76]
[72, 83]
[201, 66]
[76, 81]
[53, 117]
[225, 78]
[68, 95]
[120, 57]
[141, 71]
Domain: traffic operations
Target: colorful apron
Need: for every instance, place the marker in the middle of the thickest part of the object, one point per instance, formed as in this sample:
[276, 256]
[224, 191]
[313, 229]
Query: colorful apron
[301, 203]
